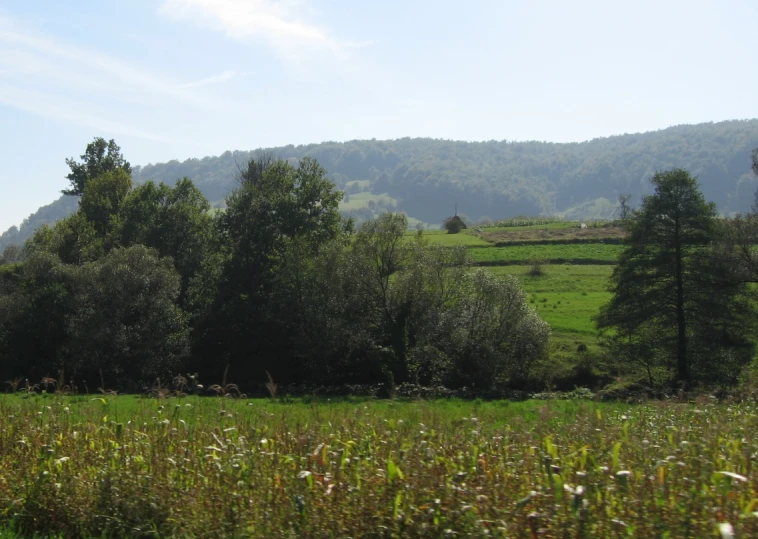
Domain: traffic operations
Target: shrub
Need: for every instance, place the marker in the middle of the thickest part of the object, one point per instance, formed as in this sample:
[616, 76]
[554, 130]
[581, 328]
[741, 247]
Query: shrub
[453, 225]
[536, 268]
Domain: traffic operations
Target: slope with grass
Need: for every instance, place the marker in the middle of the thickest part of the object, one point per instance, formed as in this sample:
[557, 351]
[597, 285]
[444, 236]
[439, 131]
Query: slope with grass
[590, 253]
[569, 290]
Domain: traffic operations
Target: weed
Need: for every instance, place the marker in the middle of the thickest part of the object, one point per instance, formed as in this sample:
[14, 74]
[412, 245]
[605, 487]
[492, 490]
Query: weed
[568, 466]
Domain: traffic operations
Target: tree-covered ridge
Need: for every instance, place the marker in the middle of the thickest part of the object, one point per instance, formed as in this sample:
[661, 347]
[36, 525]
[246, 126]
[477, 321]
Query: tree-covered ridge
[426, 177]
[500, 178]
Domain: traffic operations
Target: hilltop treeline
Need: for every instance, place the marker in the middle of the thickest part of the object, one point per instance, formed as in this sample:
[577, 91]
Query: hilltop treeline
[142, 283]
[425, 178]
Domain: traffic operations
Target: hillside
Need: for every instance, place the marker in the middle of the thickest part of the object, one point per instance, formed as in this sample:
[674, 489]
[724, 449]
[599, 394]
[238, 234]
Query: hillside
[426, 177]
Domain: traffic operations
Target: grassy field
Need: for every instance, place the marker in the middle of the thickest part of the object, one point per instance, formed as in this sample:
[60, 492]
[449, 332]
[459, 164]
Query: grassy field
[574, 284]
[567, 297]
[440, 238]
[555, 234]
[577, 253]
[357, 201]
[213, 467]
[572, 289]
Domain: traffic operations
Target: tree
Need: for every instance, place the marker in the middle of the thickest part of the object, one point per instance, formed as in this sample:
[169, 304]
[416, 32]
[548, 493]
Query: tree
[281, 219]
[73, 240]
[99, 157]
[497, 337]
[665, 289]
[624, 209]
[256, 168]
[174, 220]
[408, 293]
[11, 255]
[126, 322]
[36, 302]
[102, 199]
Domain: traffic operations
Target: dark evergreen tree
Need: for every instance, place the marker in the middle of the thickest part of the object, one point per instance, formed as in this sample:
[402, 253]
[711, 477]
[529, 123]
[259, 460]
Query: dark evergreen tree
[666, 291]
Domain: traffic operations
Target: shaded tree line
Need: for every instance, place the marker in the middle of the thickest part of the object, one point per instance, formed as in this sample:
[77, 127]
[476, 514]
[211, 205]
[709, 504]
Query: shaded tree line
[148, 281]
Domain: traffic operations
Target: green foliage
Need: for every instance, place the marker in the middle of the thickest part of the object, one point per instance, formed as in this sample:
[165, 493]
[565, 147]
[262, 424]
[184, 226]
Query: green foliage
[102, 199]
[99, 158]
[126, 321]
[117, 315]
[175, 221]
[278, 288]
[453, 225]
[275, 222]
[74, 240]
[36, 303]
[668, 306]
[497, 337]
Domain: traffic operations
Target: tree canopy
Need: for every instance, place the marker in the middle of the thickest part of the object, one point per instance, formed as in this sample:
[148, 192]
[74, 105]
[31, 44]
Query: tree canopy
[99, 157]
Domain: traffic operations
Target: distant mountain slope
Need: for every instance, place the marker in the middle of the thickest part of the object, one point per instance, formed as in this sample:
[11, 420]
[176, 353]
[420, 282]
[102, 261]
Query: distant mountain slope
[427, 177]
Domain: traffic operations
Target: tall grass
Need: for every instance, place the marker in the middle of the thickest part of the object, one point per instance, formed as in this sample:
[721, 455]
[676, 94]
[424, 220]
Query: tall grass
[219, 467]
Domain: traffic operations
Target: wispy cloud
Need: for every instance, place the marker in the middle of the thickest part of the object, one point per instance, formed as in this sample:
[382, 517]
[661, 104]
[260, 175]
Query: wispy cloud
[55, 79]
[69, 111]
[101, 64]
[279, 24]
[215, 79]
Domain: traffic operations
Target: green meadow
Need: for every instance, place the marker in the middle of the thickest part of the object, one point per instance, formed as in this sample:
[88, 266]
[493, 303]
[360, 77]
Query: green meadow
[598, 253]
[569, 292]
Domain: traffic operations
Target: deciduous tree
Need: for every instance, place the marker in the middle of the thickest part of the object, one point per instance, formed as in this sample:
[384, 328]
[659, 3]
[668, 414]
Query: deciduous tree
[99, 157]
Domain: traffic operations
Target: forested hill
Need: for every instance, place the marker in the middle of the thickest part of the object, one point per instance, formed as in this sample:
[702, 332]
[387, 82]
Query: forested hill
[426, 177]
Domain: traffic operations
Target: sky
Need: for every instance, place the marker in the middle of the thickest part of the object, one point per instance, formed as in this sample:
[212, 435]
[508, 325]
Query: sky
[174, 79]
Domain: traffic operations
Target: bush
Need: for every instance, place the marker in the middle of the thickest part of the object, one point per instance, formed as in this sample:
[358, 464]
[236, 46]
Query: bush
[536, 268]
[453, 225]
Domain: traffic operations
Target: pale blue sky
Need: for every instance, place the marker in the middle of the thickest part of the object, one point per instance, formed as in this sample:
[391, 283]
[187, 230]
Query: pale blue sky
[172, 79]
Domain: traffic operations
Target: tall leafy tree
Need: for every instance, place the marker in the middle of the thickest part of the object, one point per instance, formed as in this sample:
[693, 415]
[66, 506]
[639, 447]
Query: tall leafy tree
[99, 157]
[125, 321]
[282, 209]
[36, 302]
[174, 220]
[664, 288]
[73, 240]
[102, 199]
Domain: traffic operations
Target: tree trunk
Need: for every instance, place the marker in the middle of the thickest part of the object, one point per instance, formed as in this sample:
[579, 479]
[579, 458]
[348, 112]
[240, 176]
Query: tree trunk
[400, 348]
[682, 366]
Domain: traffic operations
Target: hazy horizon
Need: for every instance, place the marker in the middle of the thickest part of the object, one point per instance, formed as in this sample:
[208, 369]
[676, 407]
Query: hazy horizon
[183, 79]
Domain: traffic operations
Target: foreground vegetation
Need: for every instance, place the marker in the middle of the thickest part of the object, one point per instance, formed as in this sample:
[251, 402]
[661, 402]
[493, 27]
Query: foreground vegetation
[214, 467]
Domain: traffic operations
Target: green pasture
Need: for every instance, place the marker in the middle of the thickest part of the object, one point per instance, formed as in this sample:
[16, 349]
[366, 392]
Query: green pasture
[358, 201]
[522, 254]
[566, 296]
[553, 225]
[440, 238]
